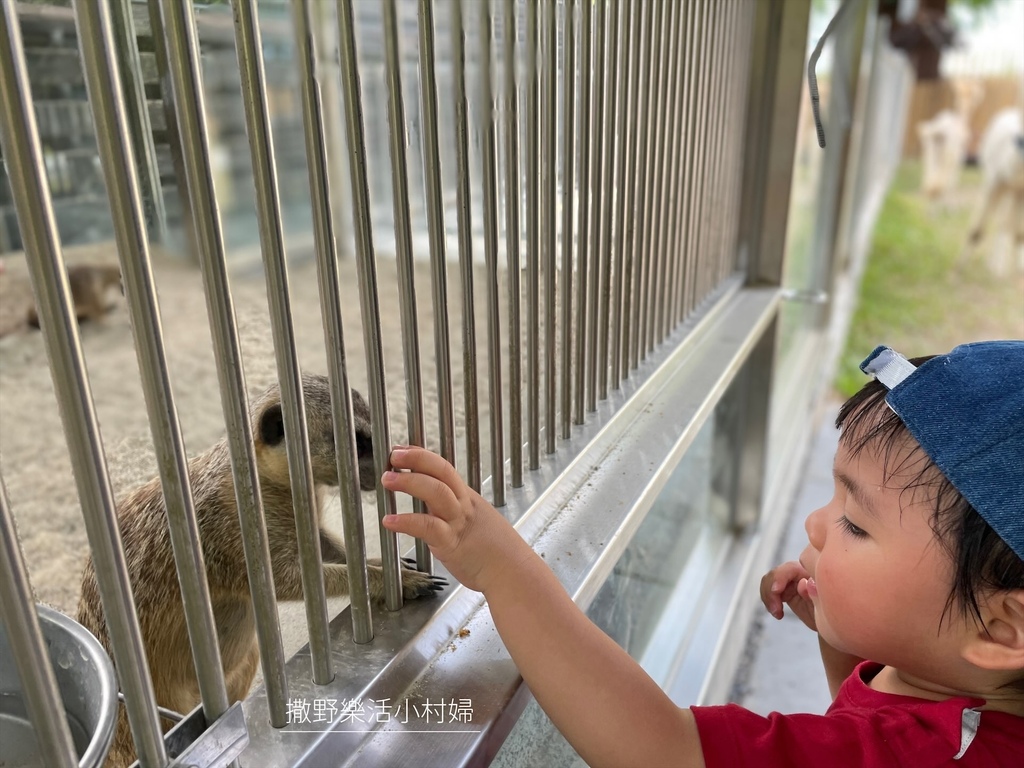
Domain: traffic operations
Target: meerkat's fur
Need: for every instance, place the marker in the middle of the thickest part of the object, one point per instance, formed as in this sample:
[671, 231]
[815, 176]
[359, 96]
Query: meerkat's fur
[90, 284]
[142, 519]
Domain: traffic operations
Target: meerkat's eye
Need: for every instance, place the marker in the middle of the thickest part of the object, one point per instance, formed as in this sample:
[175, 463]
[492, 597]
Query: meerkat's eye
[364, 444]
[272, 425]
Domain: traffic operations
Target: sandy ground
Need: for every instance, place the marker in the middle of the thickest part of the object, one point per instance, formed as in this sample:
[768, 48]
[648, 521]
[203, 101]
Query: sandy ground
[34, 459]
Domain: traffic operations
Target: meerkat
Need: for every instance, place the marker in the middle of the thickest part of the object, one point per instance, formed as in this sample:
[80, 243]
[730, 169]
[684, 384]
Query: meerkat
[146, 539]
[90, 284]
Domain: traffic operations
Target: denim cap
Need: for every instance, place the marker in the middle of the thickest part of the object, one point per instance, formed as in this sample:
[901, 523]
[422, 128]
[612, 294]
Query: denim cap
[966, 409]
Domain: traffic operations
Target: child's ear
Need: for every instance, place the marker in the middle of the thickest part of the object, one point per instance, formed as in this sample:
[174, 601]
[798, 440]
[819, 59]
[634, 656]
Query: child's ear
[1000, 645]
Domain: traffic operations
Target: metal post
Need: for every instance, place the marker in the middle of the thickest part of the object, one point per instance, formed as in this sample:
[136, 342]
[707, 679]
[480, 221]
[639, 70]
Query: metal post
[485, 115]
[465, 248]
[23, 157]
[438, 260]
[583, 228]
[512, 240]
[610, 149]
[548, 174]
[329, 280]
[532, 117]
[596, 190]
[568, 150]
[368, 302]
[19, 619]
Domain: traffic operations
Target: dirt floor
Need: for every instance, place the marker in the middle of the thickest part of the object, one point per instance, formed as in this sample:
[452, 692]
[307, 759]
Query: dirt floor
[34, 459]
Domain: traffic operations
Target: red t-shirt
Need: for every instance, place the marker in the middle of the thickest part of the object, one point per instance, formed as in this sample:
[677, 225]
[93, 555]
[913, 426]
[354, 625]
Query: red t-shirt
[864, 728]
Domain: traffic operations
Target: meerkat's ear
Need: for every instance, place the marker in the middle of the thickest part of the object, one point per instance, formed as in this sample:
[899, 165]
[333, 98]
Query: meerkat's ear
[272, 425]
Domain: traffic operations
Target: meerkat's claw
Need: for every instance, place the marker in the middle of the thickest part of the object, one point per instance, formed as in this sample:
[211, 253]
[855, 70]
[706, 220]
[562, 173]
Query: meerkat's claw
[409, 562]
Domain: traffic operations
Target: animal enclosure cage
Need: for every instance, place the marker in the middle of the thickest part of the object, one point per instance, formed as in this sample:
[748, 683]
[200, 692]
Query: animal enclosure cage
[548, 229]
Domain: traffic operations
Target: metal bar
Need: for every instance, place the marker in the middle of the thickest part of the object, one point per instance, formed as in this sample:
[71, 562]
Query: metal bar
[329, 280]
[403, 244]
[712, 179]
[513, 233]
[531, 118]
[490, 185]
[596, 181]
[183, 60]
[368, 300]
[678, 237]
[622, 131]
[568, 150]
[629, 211]
[639, 177]
[583, 227]
[665, 173]
[19, 619]
[692, 228]
[23, 158]
[548, 179]
[438, 258]
[673, 166]
[97, 41]
[609, 150]
[465, 248]
[130, 66]
[249, 48]
[651, 258]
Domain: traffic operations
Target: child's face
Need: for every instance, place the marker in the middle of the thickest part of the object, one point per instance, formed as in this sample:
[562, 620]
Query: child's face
[880, 579]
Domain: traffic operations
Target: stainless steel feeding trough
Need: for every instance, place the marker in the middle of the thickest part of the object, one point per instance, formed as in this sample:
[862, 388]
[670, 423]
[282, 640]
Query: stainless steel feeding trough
[88, 688]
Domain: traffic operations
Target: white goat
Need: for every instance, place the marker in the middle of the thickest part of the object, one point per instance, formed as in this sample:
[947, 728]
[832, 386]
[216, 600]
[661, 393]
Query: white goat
[1001, 156]
[943, 149]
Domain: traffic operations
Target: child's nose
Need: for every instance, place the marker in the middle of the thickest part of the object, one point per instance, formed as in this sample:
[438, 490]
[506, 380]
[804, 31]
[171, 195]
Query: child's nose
[815, 527]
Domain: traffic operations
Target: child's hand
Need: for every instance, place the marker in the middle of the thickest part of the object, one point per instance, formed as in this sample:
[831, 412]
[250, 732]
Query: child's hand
[463, 530]
[781, 585]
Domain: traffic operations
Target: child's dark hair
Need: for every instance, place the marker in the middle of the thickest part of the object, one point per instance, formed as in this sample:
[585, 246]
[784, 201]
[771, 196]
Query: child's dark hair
[982, 562]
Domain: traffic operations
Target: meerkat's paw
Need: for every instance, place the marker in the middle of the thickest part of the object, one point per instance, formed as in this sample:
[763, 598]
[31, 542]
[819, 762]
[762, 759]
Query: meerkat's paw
[418, 584]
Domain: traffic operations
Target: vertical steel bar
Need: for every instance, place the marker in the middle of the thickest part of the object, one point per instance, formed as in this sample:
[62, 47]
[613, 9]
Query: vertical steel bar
[713, 178]
[532, 178]
[568, 149]
[630, 213]
[548, 177]
[32, 660]
[368, 301]
[23, 158]
[642, 172]
[609, 150]
[665, 172]
[672, 167]
[113, 137]
[130, 66]
[465, 248]
[677, 237]
[183, 60]
[329, 280]
[249, 49]
[693, 228]
[623, 123]
[436, 236]
[403, 239]
[653, 149]
[596, 190]
[490, 184]
[512, 239]
[583, 227]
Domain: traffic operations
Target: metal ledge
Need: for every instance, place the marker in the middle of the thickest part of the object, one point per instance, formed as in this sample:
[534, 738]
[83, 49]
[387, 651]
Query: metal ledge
[436, 659]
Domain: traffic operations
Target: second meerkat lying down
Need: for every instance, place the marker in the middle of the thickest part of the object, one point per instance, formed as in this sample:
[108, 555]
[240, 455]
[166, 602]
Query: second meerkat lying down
[142, 519]
[90, 285]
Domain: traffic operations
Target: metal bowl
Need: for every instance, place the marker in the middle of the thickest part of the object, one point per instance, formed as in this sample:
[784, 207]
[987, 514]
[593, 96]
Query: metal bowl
[88, 687]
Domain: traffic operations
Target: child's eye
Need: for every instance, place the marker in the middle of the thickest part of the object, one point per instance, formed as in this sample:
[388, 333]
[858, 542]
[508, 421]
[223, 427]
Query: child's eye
[850, 528]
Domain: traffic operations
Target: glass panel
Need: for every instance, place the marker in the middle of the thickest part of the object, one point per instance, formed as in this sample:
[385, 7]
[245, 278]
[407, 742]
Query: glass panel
[673, 554]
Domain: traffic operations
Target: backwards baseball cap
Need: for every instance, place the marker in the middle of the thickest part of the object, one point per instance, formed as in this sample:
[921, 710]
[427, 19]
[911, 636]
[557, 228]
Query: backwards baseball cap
[966, 409]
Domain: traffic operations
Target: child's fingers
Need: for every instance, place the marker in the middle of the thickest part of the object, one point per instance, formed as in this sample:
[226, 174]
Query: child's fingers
[439, 498]
[428, 463]
[427, 527]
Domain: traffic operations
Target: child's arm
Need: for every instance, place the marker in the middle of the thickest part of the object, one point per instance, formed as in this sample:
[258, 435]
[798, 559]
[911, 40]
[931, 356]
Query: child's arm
[601, 700]
[787, 584]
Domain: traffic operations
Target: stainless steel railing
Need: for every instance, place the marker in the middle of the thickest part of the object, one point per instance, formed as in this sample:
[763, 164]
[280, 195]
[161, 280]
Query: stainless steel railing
[621, 204]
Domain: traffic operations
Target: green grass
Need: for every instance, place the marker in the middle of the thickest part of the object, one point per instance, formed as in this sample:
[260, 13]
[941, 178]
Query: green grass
[914, 296]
